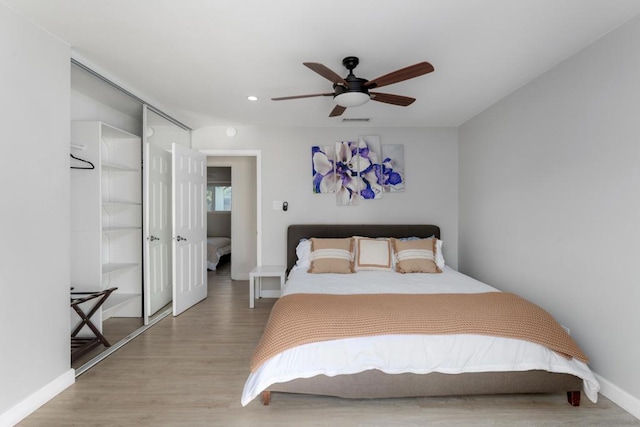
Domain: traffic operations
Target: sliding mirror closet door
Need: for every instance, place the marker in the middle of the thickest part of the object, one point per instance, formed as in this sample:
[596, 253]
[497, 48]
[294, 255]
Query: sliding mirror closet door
[158, 136]
[121, 233]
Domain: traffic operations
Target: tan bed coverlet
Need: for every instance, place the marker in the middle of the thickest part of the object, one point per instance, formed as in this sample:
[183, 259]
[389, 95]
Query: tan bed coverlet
[299, 319]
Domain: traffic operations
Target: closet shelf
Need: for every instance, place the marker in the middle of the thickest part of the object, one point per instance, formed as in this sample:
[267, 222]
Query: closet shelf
[116, 301]
[107, 216]
[121, 204]
[112, 229]
[115, 266]
[112, 167]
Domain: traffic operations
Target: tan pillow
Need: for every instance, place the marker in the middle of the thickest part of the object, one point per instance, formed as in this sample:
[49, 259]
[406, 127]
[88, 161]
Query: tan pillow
[373, 254]
[331, 256]
[416, 256]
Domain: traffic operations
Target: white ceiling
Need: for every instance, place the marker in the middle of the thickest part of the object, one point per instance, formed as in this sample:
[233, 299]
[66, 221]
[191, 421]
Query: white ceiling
[200, 59]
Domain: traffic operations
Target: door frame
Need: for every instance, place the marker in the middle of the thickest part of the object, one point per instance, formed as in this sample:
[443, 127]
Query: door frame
[258, 157]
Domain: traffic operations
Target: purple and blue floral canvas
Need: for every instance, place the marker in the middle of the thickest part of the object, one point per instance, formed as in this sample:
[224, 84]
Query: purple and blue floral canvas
[393, 168]
[357, 170]
[323, 169]
[370, 167]
[347, 177]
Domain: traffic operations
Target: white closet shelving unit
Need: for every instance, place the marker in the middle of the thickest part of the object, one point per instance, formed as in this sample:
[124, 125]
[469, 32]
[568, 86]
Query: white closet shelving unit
[106, 217]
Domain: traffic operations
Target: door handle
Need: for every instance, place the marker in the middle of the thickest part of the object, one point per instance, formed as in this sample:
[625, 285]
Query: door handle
[152, 238]
[179, 238]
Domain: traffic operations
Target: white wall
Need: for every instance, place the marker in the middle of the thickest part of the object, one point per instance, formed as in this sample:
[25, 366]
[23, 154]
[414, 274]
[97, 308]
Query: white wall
[431, 196]
[34, 217]
[84, 107]
[219, 224]
[549, 206]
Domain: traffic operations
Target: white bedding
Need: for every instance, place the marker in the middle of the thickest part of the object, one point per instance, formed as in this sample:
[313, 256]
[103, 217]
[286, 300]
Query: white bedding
[216, 248]
[406, 353]
[378, 282]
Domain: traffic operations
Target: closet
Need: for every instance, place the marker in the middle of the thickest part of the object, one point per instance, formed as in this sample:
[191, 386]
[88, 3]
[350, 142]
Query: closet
[136, 226]
[106, 218]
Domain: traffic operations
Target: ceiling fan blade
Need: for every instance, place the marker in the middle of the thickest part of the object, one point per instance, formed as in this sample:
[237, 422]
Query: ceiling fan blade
[337, 111]
[282, 98]
[388, 98]
[326, 73]
[400, 75]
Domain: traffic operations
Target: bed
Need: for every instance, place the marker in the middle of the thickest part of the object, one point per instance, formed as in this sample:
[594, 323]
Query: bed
[217, 247]
[382, 365]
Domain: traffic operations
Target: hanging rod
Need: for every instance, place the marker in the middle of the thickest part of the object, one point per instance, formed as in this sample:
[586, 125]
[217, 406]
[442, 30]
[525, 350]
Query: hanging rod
[126, 92]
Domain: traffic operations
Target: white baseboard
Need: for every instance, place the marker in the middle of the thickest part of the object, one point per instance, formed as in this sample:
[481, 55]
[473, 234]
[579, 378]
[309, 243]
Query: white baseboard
[29, 405]
[629, 403]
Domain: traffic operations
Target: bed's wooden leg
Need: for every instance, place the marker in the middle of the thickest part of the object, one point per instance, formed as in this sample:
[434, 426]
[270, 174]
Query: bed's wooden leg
[574, 398]
[266, 397]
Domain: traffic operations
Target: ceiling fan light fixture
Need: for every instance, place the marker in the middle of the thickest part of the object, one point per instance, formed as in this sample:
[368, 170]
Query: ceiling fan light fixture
[351, 99]
[353, 91]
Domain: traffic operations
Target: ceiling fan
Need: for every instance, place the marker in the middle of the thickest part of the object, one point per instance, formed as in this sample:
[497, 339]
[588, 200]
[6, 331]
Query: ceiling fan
[352, 91]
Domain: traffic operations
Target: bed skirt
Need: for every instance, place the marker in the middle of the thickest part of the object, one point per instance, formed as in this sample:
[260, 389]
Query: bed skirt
[375, 384]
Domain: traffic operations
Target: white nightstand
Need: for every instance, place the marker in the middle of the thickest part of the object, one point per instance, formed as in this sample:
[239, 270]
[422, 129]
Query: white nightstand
[263, 271]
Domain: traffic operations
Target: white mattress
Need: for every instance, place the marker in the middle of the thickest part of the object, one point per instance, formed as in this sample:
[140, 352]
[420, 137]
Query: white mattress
[406, 353]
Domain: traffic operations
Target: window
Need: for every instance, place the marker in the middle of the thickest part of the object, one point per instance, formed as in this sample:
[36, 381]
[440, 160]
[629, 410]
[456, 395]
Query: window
[218, 198]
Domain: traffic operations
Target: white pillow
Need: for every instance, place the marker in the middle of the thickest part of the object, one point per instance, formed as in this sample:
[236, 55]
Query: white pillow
[439, 256]
[373, 254]
[303, 252]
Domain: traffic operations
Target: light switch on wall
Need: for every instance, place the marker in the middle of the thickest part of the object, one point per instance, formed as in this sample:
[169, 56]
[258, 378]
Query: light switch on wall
[277, 205]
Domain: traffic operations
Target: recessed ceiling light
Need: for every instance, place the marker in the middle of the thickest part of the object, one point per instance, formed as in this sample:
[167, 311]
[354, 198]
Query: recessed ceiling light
[252, 98]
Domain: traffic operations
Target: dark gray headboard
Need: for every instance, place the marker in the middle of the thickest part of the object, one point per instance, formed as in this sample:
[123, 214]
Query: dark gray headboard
[302, 231]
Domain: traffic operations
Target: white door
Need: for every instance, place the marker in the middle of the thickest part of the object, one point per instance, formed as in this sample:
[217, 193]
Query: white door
[189, 170]
[157, 214]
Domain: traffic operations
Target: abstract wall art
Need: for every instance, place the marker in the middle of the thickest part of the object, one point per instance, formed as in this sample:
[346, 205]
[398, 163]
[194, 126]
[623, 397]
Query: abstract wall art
[362, 169]
[370, 167]
[347, 178]
[393, 168]
[323, 169]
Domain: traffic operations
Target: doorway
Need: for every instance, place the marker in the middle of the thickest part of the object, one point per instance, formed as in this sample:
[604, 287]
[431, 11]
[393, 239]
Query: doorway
[246, 218]
[219, 208]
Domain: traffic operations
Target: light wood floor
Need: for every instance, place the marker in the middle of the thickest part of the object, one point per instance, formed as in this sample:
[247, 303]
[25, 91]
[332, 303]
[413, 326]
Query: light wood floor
[189, 371]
